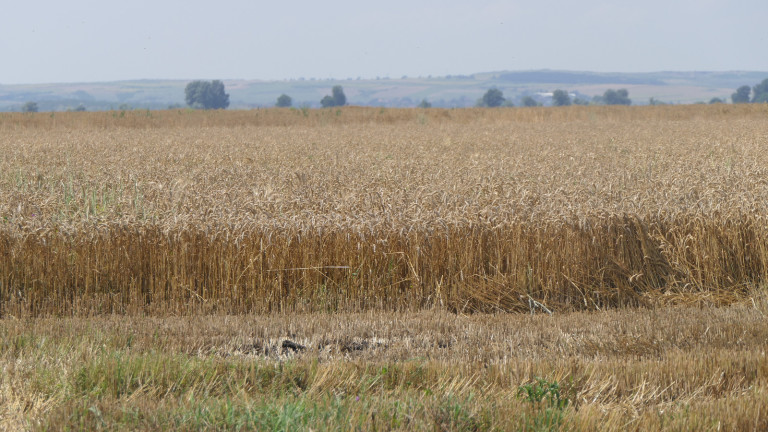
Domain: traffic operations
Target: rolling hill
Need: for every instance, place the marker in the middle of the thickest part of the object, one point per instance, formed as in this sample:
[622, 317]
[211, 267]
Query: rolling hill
[445, 91]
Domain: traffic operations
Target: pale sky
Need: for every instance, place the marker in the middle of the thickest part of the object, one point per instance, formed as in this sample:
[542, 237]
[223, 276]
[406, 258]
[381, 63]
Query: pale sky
[99, 40]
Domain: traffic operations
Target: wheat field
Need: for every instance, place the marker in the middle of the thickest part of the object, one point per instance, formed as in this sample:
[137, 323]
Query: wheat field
[360, 209]
[583, 268]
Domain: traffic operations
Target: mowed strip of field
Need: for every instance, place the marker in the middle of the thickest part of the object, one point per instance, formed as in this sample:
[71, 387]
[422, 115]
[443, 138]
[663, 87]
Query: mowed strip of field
[358, 209]
[682, 368]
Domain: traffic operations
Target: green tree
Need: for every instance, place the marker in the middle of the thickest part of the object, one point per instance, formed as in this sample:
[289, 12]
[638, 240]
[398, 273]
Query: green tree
[716, 100]
[493, 98]
[741, 95]
[561, 98]
[284, 101]
[760, 92]
[29, 107]
[529, 101]
[580, 101]
[425, 104]
[337, 98]
[206, 95]
[616, 97]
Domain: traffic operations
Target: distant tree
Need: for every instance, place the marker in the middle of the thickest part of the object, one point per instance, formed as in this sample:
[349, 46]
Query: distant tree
[29, 107]
[616, 97]
[716, 100]
[580, 101]
[493, 98]
[337, 98]
[206, 95]
[327, 101]
[529, 101]
[80, 108]
[561, 98]
[741, 95]
[760, 92]
[425, 104]
[284, 101]
[654, 101]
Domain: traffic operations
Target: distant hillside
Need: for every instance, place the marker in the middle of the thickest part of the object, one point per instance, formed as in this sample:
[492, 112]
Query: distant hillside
[447, 91]
[567, 77]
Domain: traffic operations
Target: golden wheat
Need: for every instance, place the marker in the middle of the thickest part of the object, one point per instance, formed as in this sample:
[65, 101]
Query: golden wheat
[357, 209]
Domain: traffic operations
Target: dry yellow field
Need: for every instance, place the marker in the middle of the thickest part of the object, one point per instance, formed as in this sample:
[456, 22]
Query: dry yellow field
[367, 209]
[153, 264]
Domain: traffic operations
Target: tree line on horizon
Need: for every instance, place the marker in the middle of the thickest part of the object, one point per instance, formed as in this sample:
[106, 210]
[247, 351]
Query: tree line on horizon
[495, 98]
[759, 93]
[211, 95]
[201, 94]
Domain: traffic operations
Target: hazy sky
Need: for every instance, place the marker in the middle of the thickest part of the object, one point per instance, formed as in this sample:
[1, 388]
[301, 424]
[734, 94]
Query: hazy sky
[82, 40]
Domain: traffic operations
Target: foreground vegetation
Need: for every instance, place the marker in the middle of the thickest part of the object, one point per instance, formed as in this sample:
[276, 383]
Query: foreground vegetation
[688, 368]
[356, 268]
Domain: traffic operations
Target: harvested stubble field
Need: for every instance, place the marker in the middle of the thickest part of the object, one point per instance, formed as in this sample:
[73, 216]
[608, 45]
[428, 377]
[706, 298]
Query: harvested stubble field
[630, 369]
[172, 219]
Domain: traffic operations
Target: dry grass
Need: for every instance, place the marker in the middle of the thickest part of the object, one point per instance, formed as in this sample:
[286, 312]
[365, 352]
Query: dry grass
[365, 209]
[633, 369]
